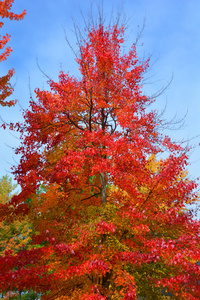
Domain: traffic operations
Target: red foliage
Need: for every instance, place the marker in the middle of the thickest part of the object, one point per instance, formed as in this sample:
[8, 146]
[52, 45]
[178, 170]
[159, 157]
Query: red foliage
[5, 87]
[110, 220]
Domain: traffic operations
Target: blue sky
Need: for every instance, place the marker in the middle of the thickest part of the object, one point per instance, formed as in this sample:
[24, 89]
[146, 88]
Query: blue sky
[171, 37]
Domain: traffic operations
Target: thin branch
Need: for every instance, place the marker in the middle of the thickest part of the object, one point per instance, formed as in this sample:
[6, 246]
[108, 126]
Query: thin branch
[94, 195]
[162, 90]
[75, 124]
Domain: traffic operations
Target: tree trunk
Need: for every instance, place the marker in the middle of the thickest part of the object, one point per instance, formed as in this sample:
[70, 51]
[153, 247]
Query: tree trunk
[103, 188]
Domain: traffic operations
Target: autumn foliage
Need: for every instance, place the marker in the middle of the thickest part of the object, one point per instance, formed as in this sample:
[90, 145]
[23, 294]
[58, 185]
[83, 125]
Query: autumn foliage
[5, 86]
[110, 219]
[13, 235]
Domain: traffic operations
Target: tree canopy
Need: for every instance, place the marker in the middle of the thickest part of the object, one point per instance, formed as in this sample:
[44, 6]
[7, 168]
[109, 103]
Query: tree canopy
[110, 219]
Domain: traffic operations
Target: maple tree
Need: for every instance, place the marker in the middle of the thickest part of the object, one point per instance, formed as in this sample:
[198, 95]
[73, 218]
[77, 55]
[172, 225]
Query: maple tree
[110, 219]
[6, 88]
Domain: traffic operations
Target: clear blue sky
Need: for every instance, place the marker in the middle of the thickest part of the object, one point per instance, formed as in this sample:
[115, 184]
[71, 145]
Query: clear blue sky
[171, 37]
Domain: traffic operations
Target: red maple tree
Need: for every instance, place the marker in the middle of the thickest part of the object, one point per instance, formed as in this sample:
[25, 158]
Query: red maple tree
[111, 220]
[6, 88]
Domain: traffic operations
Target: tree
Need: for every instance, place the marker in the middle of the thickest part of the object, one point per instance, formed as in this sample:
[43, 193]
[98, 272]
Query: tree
[111, 219]
[13, 236]
[6, 189]
[5, 86]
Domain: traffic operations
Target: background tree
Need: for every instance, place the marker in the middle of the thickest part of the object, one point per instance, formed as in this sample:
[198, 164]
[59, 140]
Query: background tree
[14, 236]
[6, 189]
[6, 88]
[109, 224]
